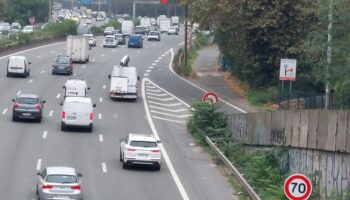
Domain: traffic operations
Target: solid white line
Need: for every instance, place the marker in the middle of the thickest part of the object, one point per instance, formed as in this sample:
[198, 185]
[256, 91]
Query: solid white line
[167, 105]
[167, 99]
[58, 95]
[170, 120]
[100, 99]
[4, 112]
[148, 70]
[100, 136]
[50, 113]
[31, 49]
[173, 111]
[42, 72]
[19, 92]
[31, 80]
[104, 87]
[44, 134]
[196, 86]
[171, 115]
[157, 95]
[100, 116]
[104, 167]
[161, 146]
[38, 165]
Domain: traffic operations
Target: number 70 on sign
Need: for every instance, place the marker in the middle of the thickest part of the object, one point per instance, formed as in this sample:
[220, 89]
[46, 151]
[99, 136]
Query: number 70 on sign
[297, 187]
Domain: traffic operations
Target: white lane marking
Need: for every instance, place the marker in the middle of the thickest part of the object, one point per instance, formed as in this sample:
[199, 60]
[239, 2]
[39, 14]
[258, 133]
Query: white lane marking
[45, 135]
[154, 90]
[83, 66]
[165, 154]
[151, 67]
[38, 165]
[101, 99]
[157, 95]
[31, 80]
[145, 74]
[196, 86]
[58, 95]
[156, 61]
[170, 120]
[20, 52]
[167, 105]
[159, 58]
[154, 64]
[104, 87]
[104, 167]
[39, 56]
[42, 72]
[50, 113]
[173, 111]
[100, 136]
[99, 116]
[163, 55]
[4, 112]
[150, 86]
[159, 99]
[19, 92]
[148, 70]
[171, 115]
[181, 43]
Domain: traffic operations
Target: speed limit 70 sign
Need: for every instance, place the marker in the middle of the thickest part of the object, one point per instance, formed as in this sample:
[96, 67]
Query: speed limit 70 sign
[297, 187]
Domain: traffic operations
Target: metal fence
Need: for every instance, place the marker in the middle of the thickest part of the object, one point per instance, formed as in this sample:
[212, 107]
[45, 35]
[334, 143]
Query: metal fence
[293, 101]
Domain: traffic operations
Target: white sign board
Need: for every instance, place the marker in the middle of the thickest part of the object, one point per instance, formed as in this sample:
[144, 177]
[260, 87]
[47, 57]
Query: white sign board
[288, 69]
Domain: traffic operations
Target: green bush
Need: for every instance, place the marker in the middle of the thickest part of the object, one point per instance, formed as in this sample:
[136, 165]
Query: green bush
[263, 96]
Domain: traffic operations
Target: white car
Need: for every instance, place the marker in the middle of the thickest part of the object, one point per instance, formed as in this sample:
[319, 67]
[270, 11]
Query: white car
[140, 149]
[173, 31]
[153, 35]
[92, 39]
[110, 41]
[28, 29]
[18, 65]
[77, 112]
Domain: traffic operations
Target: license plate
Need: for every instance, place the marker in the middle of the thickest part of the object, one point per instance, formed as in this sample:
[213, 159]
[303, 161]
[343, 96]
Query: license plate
[72, 117]
[26, 114]
[60, 196]
[142, 154]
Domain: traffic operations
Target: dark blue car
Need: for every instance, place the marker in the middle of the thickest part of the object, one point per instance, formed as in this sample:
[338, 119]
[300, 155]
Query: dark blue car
[135, 40]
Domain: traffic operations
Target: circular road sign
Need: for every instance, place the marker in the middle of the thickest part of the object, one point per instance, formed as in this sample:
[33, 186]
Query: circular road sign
[297, 187]
[210, 97]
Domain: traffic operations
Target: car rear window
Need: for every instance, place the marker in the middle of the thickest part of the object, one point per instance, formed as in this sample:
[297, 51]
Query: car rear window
[145, 144]
[78, 106]
[63, 60]
[23, 100]
[61, 179]
[109, 40]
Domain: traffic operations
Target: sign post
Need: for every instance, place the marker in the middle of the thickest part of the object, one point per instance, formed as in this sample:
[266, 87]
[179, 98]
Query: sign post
[288, 69]
[297, 187]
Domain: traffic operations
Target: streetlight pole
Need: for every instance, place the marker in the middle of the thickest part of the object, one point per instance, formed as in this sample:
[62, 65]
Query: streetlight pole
[329, 53]
[186, 35]
[50, 11]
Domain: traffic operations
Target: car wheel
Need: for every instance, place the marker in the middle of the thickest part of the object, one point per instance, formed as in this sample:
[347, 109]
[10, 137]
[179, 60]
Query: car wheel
[125, 165]
[157, 167]
[39, 119]
[91, 127]
[63, 127]
[14, 118]
[8, 75]
[120, 155]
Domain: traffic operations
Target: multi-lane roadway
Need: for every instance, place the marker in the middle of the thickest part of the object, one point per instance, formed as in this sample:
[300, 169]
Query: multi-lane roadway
[162, 108]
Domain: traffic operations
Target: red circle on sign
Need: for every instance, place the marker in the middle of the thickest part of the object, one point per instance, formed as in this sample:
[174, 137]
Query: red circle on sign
[289, 181]
[209, 95]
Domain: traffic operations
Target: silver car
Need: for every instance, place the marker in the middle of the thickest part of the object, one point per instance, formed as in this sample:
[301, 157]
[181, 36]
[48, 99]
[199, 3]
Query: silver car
[59, 183]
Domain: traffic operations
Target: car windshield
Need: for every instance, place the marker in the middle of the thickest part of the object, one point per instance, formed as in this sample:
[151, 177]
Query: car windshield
[61, 179]
[145, 144]
[63, 60]
[109, 39]
[24, 100]
[153, 33]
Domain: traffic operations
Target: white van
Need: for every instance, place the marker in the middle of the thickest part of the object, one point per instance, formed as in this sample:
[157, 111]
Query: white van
[127, 27]
[18, 65]
[75, 87]
[77, 112]
[123, 82]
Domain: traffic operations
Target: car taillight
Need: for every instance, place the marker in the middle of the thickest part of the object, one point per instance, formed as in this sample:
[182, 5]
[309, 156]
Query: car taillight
[15, 105]
[46, 186]
[38, 106]
[91, 116]
[63, 115]
[155, 151]
[75, 187]
[70, 66]
[129, 149]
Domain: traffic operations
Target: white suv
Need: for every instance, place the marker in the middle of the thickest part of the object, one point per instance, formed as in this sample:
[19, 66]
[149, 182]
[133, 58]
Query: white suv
[140, 149]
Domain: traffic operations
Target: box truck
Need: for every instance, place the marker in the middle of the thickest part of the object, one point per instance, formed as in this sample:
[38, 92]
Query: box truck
[123, 82]
[78, 48]
[164, 25]
[127, 27]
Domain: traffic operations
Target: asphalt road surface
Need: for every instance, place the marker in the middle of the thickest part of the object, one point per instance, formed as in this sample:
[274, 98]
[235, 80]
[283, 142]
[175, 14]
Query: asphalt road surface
[162, 108]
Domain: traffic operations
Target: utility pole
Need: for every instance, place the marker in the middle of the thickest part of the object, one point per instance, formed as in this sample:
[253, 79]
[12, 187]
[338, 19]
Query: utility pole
[329, 53]
[99, 6]
[50, 11]
[186, 35]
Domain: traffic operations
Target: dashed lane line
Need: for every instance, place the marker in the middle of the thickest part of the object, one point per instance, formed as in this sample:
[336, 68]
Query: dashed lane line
[31, 80]
[148, 70]
[99, 116]
[156, 61]
[104, 167]
[4, 111]
[100, 137]
[50, 113]
[151, 67]
[101, 99]
[19, 92]
[44, 134]
[38, 165]
[42, 72]
[104, 87]
[169, 120]
[154, 64]
[160, 57]
[58, 95]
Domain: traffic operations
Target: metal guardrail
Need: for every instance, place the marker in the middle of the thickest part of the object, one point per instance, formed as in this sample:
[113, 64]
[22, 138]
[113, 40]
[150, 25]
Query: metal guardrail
[236, 173]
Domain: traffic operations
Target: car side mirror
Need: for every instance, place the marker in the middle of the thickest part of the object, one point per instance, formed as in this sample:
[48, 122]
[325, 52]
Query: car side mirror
[64, 87]
[29, 63]
[44, 101]
[109, 76]
[13, 100]
[61, 104]
[38, 173]
[138, 78]
[158, 141]
[94, 105]
[88, 88]
[80, 175]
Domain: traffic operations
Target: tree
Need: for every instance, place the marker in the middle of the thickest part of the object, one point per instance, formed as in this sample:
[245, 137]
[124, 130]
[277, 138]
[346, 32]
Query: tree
[21, 10]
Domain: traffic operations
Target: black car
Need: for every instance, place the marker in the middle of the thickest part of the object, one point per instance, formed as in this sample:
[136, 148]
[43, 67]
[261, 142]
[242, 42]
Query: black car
[120, 38]
[62, 65]
[28, 106]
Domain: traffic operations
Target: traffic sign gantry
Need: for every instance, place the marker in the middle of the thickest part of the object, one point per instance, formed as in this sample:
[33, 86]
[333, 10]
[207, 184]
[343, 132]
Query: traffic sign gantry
[210, 97]
[297, 187]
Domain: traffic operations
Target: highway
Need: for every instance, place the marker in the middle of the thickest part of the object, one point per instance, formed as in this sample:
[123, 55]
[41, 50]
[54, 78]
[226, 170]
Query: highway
[162, 109]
